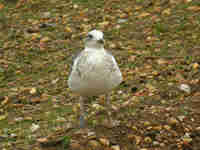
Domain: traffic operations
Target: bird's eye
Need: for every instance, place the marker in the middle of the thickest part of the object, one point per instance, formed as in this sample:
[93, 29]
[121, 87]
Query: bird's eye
[90, 36]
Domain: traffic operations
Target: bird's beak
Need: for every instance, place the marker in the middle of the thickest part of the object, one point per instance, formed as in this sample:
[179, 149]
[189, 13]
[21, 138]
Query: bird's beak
[101, 41]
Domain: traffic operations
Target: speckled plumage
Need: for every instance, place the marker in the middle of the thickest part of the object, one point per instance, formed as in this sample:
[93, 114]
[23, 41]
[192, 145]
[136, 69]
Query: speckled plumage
[94, 70]
[94, 73]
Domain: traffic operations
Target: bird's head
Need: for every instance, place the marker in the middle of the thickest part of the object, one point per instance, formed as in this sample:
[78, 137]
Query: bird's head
[94, 39]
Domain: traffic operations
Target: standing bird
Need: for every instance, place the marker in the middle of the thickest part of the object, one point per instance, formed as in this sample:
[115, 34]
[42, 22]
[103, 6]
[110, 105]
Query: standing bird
[94, 71]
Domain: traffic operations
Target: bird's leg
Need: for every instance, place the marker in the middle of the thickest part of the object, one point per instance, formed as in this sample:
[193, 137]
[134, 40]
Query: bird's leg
[82, 113]
[108, 104]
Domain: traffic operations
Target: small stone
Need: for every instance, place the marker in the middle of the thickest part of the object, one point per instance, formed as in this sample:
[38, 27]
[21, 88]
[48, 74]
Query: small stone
[156, 143]
[75, 6]
[162, 144]
[33, 91]
[186, 88]
[120, 91]
[91, 135]
[19, 119]
[55, 81]
[13, 135]
[122, 20]
[117, 26]
[198, 128]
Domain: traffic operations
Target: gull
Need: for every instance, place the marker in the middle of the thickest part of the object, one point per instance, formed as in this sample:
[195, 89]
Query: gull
[94, 71]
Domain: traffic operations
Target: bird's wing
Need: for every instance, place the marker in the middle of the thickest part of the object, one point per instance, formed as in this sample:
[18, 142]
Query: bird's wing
[112, 62]
[73, 58]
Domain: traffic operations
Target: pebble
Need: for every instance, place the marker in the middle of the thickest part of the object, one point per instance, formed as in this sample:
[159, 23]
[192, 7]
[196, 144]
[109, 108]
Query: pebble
[198, 128]
[186, 88]
[122, 20]
[156, 143]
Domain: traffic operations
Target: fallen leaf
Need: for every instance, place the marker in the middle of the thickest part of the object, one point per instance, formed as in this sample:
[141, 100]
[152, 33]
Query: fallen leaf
[2, 117]
[68, 29]
[33, 91]
[104, 141]
[104, 24]
[138, 140]
[5, 101]
[145, 14]
[194, 8]
[1, 6]
[167, 11]
[195, 66]
[42, 140]
[45, 39]
[115, 147]
[94, 144]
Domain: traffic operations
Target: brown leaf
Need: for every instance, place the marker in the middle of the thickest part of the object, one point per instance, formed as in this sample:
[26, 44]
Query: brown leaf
[42, 140]
[1, 6]
[5, 101]
[104, 141]
[45, 39]
[2, 117]
[167, 11]
[138, 140]
[104, 24]
[195, 66]
[194, 8]
[145, 14]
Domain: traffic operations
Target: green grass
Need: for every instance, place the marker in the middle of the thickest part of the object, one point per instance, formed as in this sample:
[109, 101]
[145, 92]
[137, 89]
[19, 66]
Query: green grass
[23, 64]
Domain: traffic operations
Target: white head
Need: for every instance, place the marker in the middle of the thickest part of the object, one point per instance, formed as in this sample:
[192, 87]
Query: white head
[94, 39]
